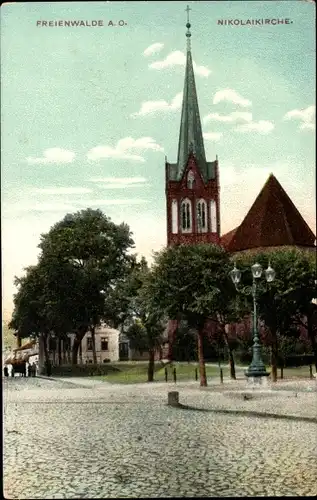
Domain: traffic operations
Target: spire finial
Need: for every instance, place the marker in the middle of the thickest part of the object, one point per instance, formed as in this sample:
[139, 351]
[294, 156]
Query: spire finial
[188, 34]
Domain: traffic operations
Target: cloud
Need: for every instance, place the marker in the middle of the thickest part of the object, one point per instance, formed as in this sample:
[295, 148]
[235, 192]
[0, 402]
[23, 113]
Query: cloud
[43, 207]
[306, 116]
[153, 49]
[262, 127]
[62, 190]
[231, 95]
[54, 155]
[212, 136]
[124, 149]
[153, 107]
[178, 58]
[119, 182]
[123, 201]
[235, 116]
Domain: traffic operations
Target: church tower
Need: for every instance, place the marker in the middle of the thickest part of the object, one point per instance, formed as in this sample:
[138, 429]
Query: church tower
[192, 184]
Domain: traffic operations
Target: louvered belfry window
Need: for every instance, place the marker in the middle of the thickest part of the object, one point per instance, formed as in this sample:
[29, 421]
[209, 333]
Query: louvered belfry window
[202, 216]
[186, 219]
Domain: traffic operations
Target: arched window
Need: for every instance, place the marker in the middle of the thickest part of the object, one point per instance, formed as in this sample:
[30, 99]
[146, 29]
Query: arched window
[174, 217]
[190, 179]
[202, 216]
[213, 216]
[186, 216]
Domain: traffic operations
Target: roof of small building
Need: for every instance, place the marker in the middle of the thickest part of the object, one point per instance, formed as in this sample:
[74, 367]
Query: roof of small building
[273, 220]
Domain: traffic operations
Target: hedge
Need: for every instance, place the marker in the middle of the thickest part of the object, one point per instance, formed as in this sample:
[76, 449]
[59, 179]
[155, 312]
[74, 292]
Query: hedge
[88, 370]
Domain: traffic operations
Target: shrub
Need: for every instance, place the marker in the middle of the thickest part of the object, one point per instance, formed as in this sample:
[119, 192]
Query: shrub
[88, 370]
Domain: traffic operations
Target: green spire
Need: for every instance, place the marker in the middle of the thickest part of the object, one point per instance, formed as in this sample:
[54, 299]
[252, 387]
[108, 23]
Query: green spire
[190, 136]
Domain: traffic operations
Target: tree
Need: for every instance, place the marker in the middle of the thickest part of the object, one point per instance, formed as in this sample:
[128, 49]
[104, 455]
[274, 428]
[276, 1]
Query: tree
[129, 304]
[287, 300]
[82, 257]
[94, 251]
[29, 314]
[189, 282]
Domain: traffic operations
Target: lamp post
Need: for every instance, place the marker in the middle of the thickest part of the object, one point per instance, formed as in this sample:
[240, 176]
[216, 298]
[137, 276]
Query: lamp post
[257, 367]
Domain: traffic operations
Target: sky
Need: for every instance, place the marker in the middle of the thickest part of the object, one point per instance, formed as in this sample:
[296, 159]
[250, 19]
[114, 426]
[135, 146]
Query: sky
[90, 112]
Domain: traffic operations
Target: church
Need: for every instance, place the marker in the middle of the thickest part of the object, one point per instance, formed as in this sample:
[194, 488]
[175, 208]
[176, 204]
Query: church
[193, 207]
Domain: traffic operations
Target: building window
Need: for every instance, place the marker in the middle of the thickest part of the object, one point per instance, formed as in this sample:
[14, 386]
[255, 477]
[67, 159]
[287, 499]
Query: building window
[190, 180]
[213, 216]
[186, 216]
[104, 344]
[201, 216]
[174, 217]
[89, 344]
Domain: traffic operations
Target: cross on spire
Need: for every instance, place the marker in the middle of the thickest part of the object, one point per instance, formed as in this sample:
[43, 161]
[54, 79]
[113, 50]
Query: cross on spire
[187, 10]
[188, 34]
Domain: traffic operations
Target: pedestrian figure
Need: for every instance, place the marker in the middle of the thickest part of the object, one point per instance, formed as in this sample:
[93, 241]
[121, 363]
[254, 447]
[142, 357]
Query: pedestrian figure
[24, 369]
[6, 371]
[12, 371]
[29, 370]
[33, 370]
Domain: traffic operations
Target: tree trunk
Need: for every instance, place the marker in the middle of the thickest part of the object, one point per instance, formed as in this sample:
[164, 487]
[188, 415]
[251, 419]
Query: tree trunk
[59, 350]
[77, 344]
[312, 339]
[81, 351]
[63, 352]
[201, 359]
[150, 371]
[46, 355]
[231, 358]
[172, 328]
[274, 355]
[93, 341]
[75, 348]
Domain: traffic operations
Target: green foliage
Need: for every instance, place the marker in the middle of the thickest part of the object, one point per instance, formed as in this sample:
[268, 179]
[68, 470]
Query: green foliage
[284, 301]
[82, 257]
[191, 282]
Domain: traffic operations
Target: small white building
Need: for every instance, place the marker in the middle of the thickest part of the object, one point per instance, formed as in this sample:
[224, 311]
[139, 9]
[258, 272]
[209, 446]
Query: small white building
[107, 345]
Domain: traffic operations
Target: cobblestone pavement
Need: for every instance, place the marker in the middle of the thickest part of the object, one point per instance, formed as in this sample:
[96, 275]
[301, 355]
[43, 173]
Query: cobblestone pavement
[80, 438]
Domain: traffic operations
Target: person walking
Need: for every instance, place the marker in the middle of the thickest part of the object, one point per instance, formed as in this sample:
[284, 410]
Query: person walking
[5, 371]
[33, 370]
[29, 370]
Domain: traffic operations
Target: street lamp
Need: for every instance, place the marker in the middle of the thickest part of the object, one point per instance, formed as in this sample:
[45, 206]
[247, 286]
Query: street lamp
[257, 367]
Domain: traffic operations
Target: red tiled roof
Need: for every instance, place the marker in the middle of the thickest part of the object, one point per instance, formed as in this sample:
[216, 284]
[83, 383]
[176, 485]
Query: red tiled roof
[226, 238]
[273, 220]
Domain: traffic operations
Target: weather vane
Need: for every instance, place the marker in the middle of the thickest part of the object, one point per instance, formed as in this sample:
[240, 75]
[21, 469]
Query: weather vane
[188, 34]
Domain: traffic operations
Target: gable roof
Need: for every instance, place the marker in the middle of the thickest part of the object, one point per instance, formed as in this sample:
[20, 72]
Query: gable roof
[273, 220]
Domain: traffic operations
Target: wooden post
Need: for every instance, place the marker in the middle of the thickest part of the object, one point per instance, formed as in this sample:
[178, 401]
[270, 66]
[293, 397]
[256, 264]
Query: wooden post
[310, 371]
[174, 375]
[221, 376]
[165, 370]
[282, 372]
[196, 374]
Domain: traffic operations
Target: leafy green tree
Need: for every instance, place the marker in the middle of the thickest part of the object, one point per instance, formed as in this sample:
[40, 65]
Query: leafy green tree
[189, 282]
[288, 299]
[129, 304]
[82, 258]
[29, 314]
